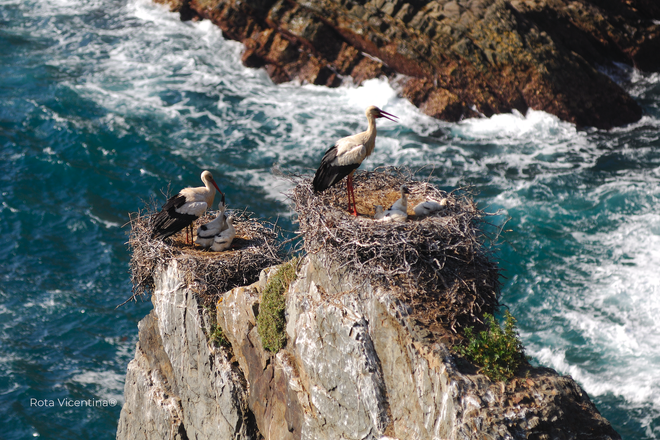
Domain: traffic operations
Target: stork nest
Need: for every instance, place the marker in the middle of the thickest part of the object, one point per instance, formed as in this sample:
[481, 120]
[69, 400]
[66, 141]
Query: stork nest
[208, 273]
[439, 265]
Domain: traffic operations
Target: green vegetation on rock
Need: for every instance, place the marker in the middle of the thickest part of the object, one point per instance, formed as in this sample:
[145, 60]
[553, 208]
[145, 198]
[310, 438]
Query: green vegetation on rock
[497, 350]
[218, 338]
[270, 321]
[215, 335]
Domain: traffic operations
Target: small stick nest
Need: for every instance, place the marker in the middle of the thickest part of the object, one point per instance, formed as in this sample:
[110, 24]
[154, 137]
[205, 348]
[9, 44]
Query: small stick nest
[209, 273]
[437, 264]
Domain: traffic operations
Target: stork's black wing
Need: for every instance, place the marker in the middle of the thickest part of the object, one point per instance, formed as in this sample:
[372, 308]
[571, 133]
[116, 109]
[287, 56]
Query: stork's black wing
[168, 221]
[328, 173]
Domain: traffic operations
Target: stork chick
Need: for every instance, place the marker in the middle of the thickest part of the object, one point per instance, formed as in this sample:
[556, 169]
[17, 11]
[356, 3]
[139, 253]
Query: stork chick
[393, 216]
[402, 203]
[207, 232]
[223, 240]
[380, 212]
[398, 212]
[429, 207]
[343, 158]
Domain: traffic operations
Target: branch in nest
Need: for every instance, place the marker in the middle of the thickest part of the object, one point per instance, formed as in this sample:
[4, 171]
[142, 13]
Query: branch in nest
[438, 263]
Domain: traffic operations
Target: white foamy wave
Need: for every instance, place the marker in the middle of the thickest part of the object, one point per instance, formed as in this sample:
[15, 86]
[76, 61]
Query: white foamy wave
[372, 92]
[614, 311]
[105, 384]
[645, 123]
[535, 125]
[105, 223]
[62, 7]
[641, 82]
[639, 389]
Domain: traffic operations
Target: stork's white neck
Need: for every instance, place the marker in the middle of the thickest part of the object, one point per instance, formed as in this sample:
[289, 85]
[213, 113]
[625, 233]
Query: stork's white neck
[370, 142]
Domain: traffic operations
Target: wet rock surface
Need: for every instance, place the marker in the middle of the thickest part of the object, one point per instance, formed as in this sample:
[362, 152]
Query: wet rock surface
[458, 58]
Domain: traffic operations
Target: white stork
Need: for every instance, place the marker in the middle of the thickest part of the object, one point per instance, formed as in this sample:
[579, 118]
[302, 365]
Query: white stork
[184, 208]
[428, 207]
[343, 158]
[223, 240]
[207, 232]
[398, 212]
[380, 212]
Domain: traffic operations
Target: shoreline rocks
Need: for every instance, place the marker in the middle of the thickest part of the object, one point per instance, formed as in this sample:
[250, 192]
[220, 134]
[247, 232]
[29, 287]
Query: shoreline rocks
[453, 59]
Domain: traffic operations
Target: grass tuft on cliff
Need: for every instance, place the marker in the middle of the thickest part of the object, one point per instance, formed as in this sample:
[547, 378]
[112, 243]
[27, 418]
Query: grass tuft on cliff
[218, 338]
[270, 321]
[497, 350]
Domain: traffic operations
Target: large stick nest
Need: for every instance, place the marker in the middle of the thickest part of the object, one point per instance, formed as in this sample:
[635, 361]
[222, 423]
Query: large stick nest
[209, 273]
[438, 264]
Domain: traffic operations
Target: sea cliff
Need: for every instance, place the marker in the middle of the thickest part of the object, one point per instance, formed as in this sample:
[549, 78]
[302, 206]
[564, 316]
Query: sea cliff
[454, 58]
[365, 356]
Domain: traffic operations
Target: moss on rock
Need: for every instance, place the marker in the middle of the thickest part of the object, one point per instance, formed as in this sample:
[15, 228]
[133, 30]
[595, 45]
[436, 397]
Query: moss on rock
[271, 322]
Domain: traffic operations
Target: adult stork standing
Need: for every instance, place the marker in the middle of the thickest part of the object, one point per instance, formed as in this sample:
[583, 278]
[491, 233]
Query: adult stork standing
[184, 208]
[346, 155]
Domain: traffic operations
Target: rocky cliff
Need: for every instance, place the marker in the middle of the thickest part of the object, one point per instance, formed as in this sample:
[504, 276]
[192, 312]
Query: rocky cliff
[355, 367]
[357, 364]
[454, 58]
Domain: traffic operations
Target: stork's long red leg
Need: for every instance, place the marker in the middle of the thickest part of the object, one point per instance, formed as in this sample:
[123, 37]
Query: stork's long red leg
[353, 199]
[348, 192]
[351, 195]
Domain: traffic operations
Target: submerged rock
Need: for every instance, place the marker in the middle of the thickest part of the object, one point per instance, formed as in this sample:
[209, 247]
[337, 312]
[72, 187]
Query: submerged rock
[458, 58]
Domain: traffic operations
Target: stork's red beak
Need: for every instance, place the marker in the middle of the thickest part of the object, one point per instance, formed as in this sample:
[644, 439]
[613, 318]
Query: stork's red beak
[216, 187]
[387, 116]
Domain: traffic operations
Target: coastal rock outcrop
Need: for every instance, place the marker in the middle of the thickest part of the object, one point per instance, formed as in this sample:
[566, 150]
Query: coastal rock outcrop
[355, 367]
[453, 58]
[360, 360]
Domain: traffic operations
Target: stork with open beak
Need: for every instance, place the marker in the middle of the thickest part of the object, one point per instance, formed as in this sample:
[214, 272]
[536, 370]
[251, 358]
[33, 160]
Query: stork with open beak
[343, 158]
[184, 208]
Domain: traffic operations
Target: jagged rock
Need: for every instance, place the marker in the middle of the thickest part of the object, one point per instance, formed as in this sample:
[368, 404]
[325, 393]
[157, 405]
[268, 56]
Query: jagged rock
[178, 385]
[355, 367]
[369, 337]
[490, 55]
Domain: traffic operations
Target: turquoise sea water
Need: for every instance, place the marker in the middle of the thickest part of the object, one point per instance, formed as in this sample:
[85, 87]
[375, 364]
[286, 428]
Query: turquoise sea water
[105, 103]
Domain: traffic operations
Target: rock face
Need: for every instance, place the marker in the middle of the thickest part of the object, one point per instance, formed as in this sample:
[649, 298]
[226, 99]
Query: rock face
[453, 58]
[355, 367]
[178, 386]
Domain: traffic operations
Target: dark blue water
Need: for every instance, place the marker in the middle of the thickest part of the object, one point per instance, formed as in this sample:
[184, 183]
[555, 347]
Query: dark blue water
[104, 103]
